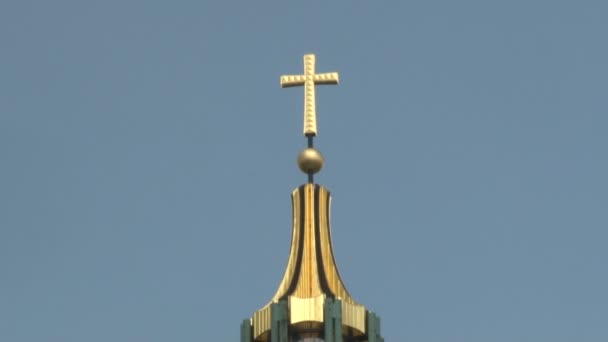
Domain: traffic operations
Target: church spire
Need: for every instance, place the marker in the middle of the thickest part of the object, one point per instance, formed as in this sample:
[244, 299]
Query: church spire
[311, 303]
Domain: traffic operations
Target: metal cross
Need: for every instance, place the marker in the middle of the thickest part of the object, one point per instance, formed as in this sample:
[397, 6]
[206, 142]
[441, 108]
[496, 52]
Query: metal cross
[309, 80]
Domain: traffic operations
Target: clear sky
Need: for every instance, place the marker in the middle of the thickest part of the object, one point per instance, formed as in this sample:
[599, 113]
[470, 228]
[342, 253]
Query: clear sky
[147, 156]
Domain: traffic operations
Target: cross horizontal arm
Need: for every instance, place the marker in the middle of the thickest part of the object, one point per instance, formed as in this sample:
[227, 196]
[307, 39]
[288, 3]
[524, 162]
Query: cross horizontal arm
[326, 78]
[292, 80]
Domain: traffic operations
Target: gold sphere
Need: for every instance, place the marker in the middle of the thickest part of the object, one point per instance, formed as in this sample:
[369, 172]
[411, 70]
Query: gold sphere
[310, 161]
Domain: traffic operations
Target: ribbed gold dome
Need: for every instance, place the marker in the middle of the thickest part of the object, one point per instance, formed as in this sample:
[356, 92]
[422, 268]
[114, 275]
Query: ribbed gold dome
[311, 275]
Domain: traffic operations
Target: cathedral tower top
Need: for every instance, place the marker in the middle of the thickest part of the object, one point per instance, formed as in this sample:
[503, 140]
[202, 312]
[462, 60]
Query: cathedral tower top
[311, 303]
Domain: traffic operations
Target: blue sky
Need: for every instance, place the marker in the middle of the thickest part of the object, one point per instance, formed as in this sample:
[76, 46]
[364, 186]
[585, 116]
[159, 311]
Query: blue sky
[148, 155]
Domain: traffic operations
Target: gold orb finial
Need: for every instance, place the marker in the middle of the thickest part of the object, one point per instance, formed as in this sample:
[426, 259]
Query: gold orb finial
[310, 161]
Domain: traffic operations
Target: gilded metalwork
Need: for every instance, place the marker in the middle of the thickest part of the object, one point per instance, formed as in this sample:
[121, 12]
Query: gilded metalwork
[310, 160]
[353, 317]
[306, 309]
[261, 323]
[311, 274]
[309, 80]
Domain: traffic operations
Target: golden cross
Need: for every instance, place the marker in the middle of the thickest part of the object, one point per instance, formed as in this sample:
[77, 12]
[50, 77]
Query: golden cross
[309, 79]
